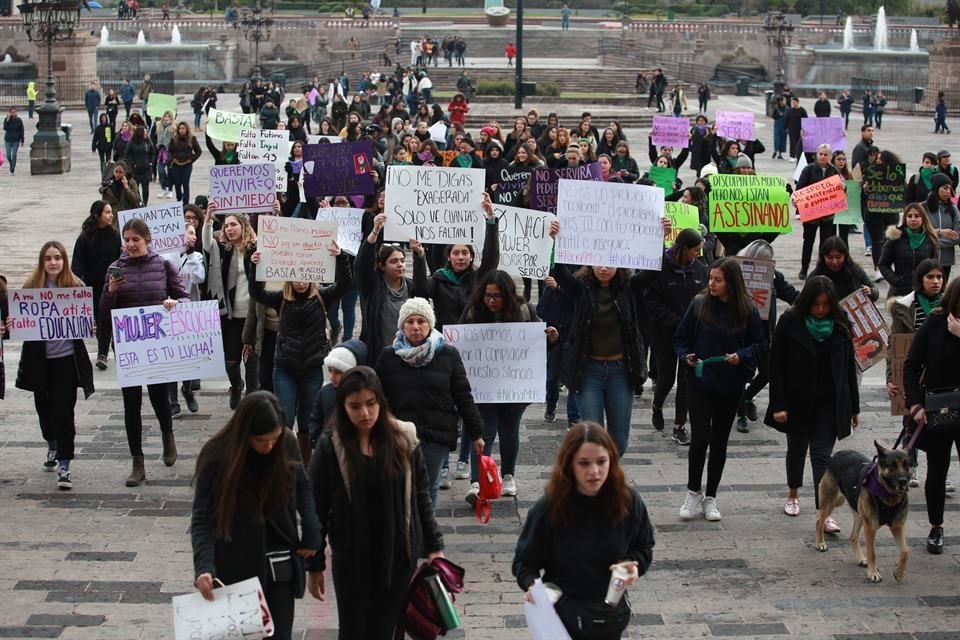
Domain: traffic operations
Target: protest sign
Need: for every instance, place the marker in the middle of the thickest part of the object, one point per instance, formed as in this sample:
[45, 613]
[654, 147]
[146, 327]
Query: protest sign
[226, 125]
[160, 103]
[817, 131]
[338, 169]
[165, 221]
[348, 223]
[820, 199]
[545, 182]
[682, 216]
[525, 242]
[509, 190]
[749, 203]
[735, 125]
[266, 145]
[505, 361]
[870, 332]
[296, 249]
[609, 224]
[886, 187]
[758, 275]
[153, 345]
[801, 165]
[438, 132]
[243, 188]
[896, 357]
[852, 214]
[315, 139]
[51, 314]
[235, 612]
[663, 177]
[670, 132]
[435, 205]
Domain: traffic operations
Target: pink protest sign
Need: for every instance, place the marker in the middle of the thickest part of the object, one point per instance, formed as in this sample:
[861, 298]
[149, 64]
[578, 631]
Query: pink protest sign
[670, 132]
[817, 131]
[735, 125]
[821, 199]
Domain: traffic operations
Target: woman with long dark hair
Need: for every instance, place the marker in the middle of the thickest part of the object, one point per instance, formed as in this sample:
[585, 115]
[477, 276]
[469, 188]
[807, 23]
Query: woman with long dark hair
[97, 246]
[814, 394]
[372, 495]
[588, 520]
[184, 150]
[720, 339]
[834, 262]
[140, 155]
[912, 241]
[251, 487]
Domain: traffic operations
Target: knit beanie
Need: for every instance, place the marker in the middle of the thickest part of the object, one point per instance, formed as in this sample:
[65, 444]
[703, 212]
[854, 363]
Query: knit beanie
[708, 170]
[417, 307]
[743, 162]
[346, 356]
[939, 180]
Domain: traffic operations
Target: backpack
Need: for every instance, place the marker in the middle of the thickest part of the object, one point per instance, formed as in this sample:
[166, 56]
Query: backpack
[491, 486]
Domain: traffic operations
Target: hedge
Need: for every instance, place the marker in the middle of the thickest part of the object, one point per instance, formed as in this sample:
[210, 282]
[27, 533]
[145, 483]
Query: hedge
[505, 88]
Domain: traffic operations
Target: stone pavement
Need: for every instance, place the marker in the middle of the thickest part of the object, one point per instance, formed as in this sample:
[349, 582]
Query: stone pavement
[102, 562]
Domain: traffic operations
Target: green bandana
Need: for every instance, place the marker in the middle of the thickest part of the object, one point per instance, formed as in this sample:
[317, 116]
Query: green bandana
[927, 304]
[698, 370]
[228, 156]
[464, 160]
[819, 330]
[926, 174]
[451, 275]
[915, 238]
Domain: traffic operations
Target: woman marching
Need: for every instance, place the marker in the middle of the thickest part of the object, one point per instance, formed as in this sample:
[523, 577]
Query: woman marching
[141, 278]
[814, 393]
[372, 493]
[945, 219]
[53, 370]
[184, 150]
[251, 487]
[846, 275]
[720, 339]
[907, 245]
[97, 246]
[588, 521]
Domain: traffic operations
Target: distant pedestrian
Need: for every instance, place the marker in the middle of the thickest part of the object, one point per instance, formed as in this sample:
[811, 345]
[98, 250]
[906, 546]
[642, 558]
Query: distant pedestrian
[703, 96]
[511, 52]
[13, 137]
[845, 102]
[31, 97]
[91, 100]
[940, 120]
[565, 17]
[127, 93]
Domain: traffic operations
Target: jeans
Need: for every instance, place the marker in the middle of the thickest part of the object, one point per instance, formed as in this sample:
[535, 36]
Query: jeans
[565, 24]
[434, 455]
[163, 176]
[179, 175]
[711, 418]
[779, 138]
[878, 118]
[196, 120]
[11, 148]
[92, 117]
[553, 386]
[30, 105]
[606, 391]
[502, 420]
[827, 229]
[819, 435]
[349, 302]
[296, 391]
[144, 182]
[132, 420]
[666, 375]
[56, 406]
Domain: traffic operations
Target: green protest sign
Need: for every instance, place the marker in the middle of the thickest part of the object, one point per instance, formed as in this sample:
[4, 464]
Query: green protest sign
[886, 187]
[160, 103]
[682, 216]
[663, 177]
[758, 204]
[226, 125]
[853, 214]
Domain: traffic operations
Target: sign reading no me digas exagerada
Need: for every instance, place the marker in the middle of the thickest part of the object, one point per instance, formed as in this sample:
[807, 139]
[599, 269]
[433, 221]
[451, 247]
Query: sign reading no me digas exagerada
[435, 205]
[51, 314]
[610, 224]
[165, 221]
[505, 361]
[243, 188]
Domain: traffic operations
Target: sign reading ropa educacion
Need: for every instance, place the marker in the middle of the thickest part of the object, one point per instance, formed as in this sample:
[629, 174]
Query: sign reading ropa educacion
[749, 203]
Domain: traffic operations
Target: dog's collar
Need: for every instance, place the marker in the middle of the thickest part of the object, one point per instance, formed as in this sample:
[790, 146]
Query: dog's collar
[876, 488]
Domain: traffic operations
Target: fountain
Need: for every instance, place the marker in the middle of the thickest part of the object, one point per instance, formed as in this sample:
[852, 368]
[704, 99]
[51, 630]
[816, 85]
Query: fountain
[141, 39]
[175, 35]
[880, 31]
[104, 35]
[848, 35]
[200, 61]
[914, 45]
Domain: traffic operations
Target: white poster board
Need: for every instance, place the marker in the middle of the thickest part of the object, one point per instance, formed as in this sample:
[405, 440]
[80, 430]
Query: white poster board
[51, 314]
[234, 613]
[153, 345]
[610, 224]
[505, 361]
[542, 619]
[315, 139]
[296, 249]
[243, 188]
[266, 145]
[165, 221]
[525, 242]
[435, 205]
[348, 221]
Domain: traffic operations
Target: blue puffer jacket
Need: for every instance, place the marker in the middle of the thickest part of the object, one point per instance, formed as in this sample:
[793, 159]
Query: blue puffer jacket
[149, 280]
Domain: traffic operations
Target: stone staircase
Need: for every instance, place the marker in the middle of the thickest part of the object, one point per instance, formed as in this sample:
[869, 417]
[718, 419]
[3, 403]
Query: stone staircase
[488, 42]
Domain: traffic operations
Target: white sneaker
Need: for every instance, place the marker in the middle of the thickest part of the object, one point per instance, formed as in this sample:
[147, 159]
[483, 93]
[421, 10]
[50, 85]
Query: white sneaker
[471, 496]
[948, 487]
[509, 487]
[691, 505]
[444, 478]
[877, 276]
[710, 511]
[463, 471]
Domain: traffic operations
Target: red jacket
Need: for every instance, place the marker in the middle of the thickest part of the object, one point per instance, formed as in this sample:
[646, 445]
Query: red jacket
[458, 111]
[511, 51]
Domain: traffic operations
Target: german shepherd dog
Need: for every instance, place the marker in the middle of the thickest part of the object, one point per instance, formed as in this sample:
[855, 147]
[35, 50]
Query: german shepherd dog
[877, 492]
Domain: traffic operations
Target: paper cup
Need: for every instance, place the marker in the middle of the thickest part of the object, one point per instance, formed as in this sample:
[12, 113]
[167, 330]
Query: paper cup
[618, 584]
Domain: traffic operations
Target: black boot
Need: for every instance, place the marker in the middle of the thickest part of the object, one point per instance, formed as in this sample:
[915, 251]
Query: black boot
[189, 397]
[935, 541]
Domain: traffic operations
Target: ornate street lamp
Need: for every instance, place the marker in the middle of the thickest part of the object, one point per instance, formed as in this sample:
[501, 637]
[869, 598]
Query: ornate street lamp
[256, 27]
[50, 21]
[779, 33]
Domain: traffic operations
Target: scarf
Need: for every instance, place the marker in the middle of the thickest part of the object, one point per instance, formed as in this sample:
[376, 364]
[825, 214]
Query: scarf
[422, 354]
[915, 238]
[701, 129]
[926, 303]
[228, 156]
[451, 275]
[926, 175]
[126, 135]
[819, 330]
[698, 369]
[732, 160]
[464, 160]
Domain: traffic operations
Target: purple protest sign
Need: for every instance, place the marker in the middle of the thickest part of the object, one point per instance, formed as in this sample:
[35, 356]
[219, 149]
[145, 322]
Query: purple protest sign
[338, 169]
[735, 125]
[544, 183]
[670, 132]
[817, 131]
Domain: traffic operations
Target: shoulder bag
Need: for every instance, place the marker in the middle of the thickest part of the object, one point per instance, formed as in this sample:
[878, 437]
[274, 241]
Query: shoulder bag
[943, 409]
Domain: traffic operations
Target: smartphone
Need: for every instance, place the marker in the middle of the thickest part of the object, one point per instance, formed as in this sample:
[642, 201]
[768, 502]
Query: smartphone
[115, 273]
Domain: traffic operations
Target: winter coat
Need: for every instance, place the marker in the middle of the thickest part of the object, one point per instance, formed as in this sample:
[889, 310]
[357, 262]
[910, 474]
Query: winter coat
[821, 108]
[139, 156]
[812, 174]
[13, 130]
[794, 119]
[700, 148]
[927, 365]
[127, 93]
[916, 190]
[626, 166]
[794, 370]
[103, 137]
[944, 215]
[121, 199]
[373, 294]
[91, 99]
[845, 104]
[269, 118]
[149, 280]
[302, 336]
[450, 298]
[670, 293]
[847, 281]
[898, 260]
[903, 319]
[93, 254]
[120, 146]
[220, 260]
[183, 151]
[860, 152]
[32, 370]
[434, 397]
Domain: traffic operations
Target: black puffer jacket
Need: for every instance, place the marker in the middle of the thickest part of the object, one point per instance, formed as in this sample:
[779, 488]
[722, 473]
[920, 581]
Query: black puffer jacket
[302, 337]
[433, 397]
[669, 294]
[898, 260]
[93, 253]
[139, 155]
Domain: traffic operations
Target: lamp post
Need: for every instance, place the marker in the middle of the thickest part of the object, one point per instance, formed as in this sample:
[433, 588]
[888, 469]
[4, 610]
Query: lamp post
[518, 85]
[779, 33]
[49, 21]
[256, 27]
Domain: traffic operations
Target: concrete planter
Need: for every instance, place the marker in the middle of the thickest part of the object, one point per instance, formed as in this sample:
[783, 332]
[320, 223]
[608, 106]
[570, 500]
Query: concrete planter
[498, 16]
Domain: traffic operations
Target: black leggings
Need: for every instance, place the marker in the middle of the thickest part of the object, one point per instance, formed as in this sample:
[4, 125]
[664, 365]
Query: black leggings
[666, 375]
[357, 597]
[267, 348]
[877, 224]
[281, 601]
[56, 406]
[826, 228]
[104, 324]
[756, 385]
[819, 435]
[711, 418]
[939, 451]
[232, 332]
[133, 402]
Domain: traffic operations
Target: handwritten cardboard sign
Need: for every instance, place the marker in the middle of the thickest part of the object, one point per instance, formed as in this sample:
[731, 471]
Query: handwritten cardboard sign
[153, 345]
[749, 203]
[435, 205]
[544, 183]
[663, 177]
[167, 227]
[820, 199]
[610, 224]
[505, 361]
[735, 125]
[870, 331]
[51, 314]
[817, 131]
[682, 216]
[234, 613]
[509, 189]
[159, 103]
[758, 275]
[227, 125]
[266, 145]
[243, 188]
[896, 357]
[670, 132]
[348, 221]
[296, 249]
[338, 169]
[525, 242]
[886, 187]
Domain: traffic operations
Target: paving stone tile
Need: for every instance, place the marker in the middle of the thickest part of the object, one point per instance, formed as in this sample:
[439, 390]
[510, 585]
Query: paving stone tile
[74, 620]
[101, 556]
[30, 632]
[741, 630]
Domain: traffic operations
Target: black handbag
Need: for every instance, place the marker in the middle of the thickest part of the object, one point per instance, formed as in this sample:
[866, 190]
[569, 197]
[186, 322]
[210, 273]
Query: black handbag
[942, 407]
[593, 619]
